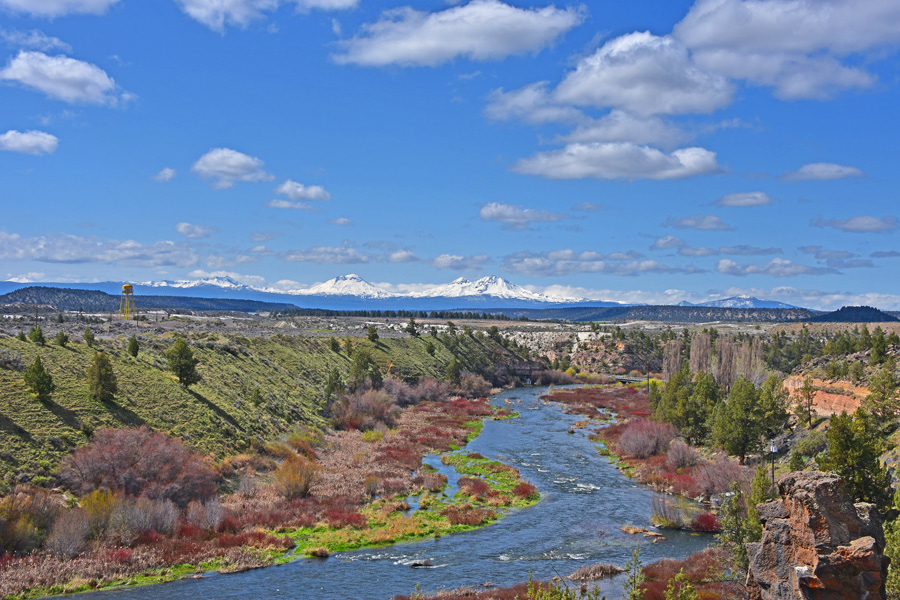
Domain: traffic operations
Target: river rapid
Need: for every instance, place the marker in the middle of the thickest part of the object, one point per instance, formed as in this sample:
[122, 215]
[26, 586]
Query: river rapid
[584, 502]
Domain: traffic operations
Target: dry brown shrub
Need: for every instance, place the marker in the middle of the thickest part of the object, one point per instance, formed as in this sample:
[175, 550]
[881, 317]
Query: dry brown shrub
[69, 533]
[680, 455]
[295, 476]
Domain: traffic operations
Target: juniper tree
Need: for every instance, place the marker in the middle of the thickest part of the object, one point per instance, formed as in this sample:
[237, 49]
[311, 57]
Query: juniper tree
[39, 380]
[134, 346]
[88, 336]
[102, 379]
[182, 362]
[37, 336]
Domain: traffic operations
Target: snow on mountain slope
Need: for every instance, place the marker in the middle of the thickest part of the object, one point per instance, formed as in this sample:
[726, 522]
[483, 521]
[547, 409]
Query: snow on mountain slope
[346, 285]
[742, 302]
[492, 286]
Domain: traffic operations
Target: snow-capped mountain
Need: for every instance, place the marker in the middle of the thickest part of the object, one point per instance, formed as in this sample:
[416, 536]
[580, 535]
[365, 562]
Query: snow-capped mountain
[492, 286]
[346, 285]
[226, 283]
[741, 302]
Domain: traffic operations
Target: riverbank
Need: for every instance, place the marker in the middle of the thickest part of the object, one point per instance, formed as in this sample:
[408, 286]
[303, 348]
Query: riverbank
[358, 499]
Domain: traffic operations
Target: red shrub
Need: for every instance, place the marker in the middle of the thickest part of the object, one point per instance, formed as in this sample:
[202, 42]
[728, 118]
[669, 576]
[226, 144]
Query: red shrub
[467, 515]
[148, 537]
[706, 522]
[474, 487]
[642, 438]
[716, 477]
[120, 555]
[139, 462]
[524, 490]
[338, 517]
[188, 530]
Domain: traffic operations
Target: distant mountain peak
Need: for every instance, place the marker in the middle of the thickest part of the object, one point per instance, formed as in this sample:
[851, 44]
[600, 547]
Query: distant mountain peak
[347, 285]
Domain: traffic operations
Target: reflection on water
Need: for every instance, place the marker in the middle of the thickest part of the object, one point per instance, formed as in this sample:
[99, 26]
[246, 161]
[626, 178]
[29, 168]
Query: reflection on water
[584, 503]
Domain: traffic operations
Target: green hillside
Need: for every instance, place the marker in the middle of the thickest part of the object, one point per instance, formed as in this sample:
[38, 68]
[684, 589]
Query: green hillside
[217, 415]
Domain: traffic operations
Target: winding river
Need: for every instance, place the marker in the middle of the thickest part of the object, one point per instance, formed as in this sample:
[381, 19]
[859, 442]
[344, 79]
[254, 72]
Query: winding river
[585, 501]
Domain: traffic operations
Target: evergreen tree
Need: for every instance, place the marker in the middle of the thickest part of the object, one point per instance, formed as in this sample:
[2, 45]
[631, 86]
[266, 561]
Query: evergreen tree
[102, 379]
[134, 346]
[634, 577]
[773, 405]
[372, 333]
[854, 448]
[362, 368]
[803, 410]
[733, 520]
[334, 344]
[182, 362]
[761, 490]
[411, 328]
[21, 336]
[680, 588]
[738, 425]
[796, 462]
[39, 380]
[62, 339]
[429, 348]
[37, 336]
[88, 336]
[882, 401]
[879, 347]
[334, 385]
[453, 371]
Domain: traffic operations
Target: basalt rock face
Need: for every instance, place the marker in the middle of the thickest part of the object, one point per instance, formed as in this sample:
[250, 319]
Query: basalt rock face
[817, 544]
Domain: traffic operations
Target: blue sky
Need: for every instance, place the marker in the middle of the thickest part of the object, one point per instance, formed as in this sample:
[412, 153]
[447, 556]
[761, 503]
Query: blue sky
[648, 151]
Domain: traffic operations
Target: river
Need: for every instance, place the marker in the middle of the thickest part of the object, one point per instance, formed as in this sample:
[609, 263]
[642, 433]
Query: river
[584, 502]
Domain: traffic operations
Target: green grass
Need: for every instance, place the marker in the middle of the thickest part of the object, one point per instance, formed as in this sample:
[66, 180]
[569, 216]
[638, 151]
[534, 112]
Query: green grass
[215, 416]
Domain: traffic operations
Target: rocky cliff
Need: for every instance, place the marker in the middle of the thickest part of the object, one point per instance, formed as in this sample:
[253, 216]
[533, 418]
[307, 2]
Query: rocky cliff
[817, 544]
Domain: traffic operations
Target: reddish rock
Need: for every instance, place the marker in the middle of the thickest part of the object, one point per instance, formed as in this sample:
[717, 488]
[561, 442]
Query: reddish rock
[817, 544]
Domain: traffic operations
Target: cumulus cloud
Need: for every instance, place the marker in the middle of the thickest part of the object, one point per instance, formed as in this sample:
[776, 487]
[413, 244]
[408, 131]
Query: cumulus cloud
[569, 262]
[531, 103]
[619, 160]
[777, 267]
[821, 172]
[667, 242]
[745, 199]
[33, 39]
[460, 263]
[859, 224]
[63, 78]
[647, 75]
[57, 8]
[739, 250]
[401, 256]
[480, 30]
[326, 255]
[72, 249]
[620, 126]
[225, 166]
[28, 142]
[885, 254]
[341, 222]
[702, 222]
[516, 217]
[217, 14]
[288, 204]
[796, 46]
[298, 192]
[194, 232]
[166, 174]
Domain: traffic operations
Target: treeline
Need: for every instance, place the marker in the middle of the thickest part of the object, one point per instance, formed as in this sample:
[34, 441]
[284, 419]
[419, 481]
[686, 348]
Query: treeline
[397, 314]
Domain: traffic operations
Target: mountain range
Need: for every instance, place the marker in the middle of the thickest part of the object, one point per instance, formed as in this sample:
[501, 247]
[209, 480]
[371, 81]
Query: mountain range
[352, 292]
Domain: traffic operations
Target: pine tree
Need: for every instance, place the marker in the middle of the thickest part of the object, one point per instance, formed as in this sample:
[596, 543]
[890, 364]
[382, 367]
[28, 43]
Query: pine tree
[39, 380]
[62, 340]
[134, 346]
[738, 425]
[182, 362]
[37, 336]
[373, 333]
[634, 577]
[761, 490]
[429, 348]
[879, 347]
[773, 405]
[453, 371]
[854, 450]
[88, 336]
[882, 401]
[362, 368]
[334, 384]
[102, 379]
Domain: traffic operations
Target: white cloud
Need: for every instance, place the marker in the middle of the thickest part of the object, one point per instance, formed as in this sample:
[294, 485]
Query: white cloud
[57, 8]
[217, 14]
[620, 126]
[531, 103]
[821, 172]
[72, 249]
[859, 224]
[34, 39]
[586, 206]
[194, 232]
[63, 78]
[28, 142]
[480, 30]
[739, 250]
[646, 75]
[401, 256]
[619, 160]
[701, 222]
[166, 174]
[777, 267]
[516, 217]
[225, 166]
[281, 203]
[326, 255]
[298, 191]
[568, 262]
[667, 242]
[795, 46]
[264, 236]
[341, 222]
[745, 199]
[460, 263]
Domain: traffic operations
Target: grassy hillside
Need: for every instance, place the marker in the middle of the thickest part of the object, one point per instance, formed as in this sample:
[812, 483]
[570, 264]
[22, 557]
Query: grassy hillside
[217, 415]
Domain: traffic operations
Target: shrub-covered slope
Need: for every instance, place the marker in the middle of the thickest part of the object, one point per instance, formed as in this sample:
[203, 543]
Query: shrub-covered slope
[221, 414]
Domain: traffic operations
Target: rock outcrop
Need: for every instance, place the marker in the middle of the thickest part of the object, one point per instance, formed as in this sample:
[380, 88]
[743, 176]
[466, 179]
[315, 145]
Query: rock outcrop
[817, 544]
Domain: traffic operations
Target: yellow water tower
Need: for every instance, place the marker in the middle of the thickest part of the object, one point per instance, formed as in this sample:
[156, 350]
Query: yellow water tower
[126, 303]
